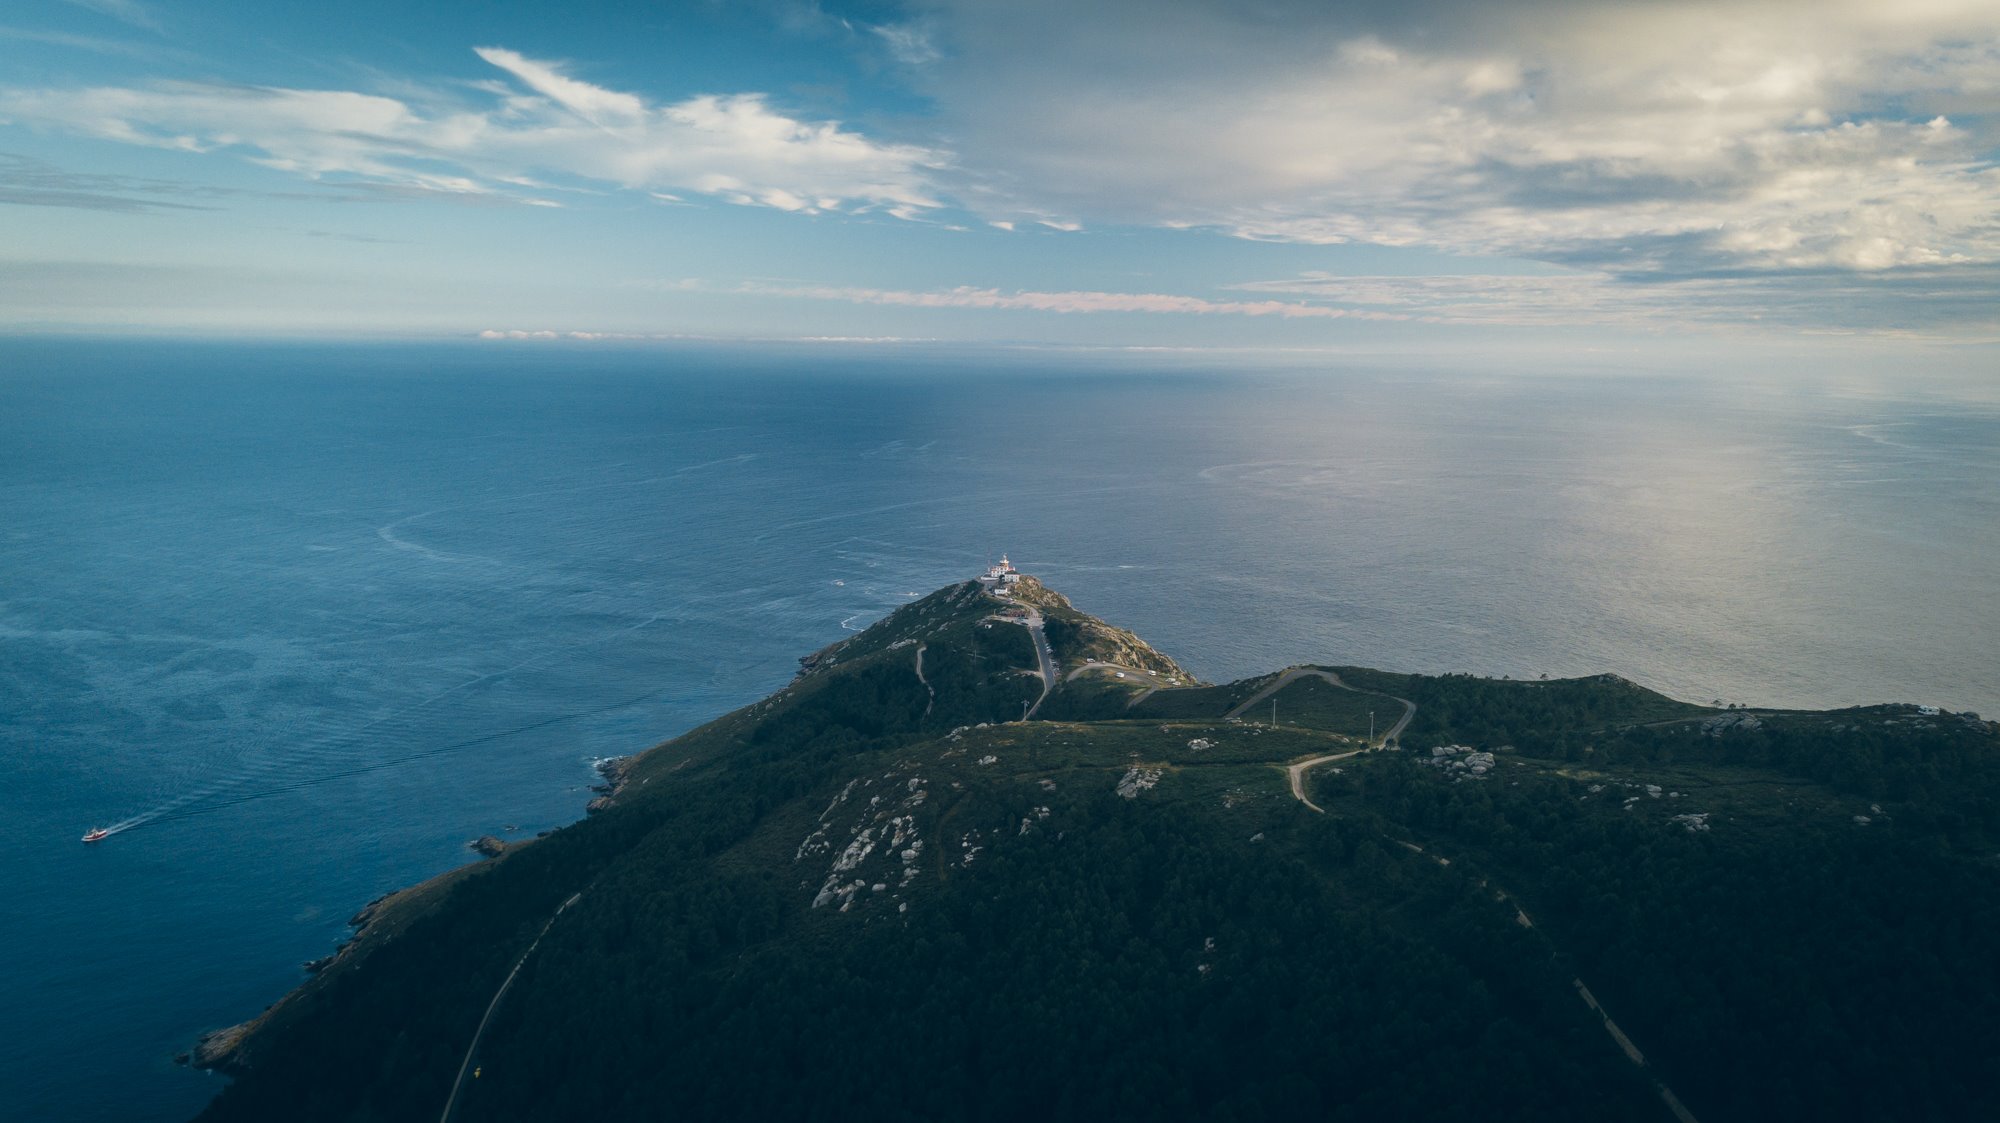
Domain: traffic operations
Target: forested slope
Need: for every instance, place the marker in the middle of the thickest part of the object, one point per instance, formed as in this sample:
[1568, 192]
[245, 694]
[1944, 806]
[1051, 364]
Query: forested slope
[872, 896]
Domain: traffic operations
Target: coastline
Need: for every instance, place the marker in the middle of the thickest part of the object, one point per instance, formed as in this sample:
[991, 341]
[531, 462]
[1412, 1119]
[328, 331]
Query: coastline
[231, 1049]
[612, 772]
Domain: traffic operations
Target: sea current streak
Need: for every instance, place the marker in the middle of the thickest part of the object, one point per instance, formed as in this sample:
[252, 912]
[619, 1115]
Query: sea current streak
[205, 799]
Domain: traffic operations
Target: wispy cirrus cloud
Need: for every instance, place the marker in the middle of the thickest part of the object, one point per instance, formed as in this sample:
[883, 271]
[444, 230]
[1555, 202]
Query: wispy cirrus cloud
[126, 11]
[147, 51]
[528, 143]
[25, 181]
[908, 43]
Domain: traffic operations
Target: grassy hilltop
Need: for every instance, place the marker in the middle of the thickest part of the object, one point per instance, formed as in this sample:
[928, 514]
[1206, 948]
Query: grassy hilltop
[879, 894]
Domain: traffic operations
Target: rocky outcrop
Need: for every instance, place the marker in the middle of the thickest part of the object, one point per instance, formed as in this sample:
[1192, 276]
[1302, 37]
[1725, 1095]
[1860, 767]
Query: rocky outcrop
[819, 660]
[1728, 723]
[487, 846]
[614, 770]
[220, 1051]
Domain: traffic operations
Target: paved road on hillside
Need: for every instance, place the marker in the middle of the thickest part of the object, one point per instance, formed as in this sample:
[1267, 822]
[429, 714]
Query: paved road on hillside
[1297, 772]
[1045, 658]
[927, 683]
[1148, 679]
[451, 1104]
[1294, 674]
[1112, 667]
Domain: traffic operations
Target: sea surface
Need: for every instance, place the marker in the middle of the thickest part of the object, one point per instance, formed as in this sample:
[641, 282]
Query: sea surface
[306, 619]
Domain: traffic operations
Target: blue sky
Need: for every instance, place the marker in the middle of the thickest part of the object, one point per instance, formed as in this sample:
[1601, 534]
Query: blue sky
[1515, 174]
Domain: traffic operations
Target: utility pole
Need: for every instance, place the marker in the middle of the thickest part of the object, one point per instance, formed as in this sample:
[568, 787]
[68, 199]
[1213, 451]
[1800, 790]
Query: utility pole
[1274, 711]
[1371, 727]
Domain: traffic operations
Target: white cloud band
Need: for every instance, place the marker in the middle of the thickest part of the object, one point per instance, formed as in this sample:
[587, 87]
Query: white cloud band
[736, 147]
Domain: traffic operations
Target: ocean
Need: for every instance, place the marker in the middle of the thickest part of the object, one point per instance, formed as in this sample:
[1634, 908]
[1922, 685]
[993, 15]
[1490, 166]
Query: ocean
[302, 620]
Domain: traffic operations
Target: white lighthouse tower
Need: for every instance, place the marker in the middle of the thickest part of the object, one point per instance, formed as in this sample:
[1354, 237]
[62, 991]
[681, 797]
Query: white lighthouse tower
[998, 577]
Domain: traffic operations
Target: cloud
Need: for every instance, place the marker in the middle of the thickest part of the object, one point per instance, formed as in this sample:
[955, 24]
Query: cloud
[1941, 304]
[1640, 139]
[543, 335]
[127, 11]
[593, 103]
[25, 181]
[909, 43]
[1066, 303]
[561, 132]
[1811, 163]
[150, 52]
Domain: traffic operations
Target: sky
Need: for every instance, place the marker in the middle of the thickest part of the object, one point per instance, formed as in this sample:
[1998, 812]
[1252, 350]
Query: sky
[1491, 176]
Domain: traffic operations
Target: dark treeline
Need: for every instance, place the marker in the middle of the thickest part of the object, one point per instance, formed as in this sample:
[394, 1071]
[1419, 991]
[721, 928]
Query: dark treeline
[1496, 711]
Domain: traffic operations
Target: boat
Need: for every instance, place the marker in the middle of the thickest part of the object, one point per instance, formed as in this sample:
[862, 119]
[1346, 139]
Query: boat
[96, 834]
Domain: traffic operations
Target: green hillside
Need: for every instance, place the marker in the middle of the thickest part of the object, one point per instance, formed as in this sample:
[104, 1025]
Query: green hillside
[878, 895]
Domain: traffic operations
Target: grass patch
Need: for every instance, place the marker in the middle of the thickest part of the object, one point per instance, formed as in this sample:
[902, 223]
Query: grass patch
[1199, 702]
[1318, 704]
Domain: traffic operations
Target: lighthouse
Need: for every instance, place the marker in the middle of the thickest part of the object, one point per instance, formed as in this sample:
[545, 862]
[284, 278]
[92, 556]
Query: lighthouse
[1001, 575]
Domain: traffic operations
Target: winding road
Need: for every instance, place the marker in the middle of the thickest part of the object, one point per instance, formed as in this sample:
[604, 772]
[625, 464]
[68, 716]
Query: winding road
[1044, 658]
[1297, 773]
[1150, 680]
[451, 1104]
